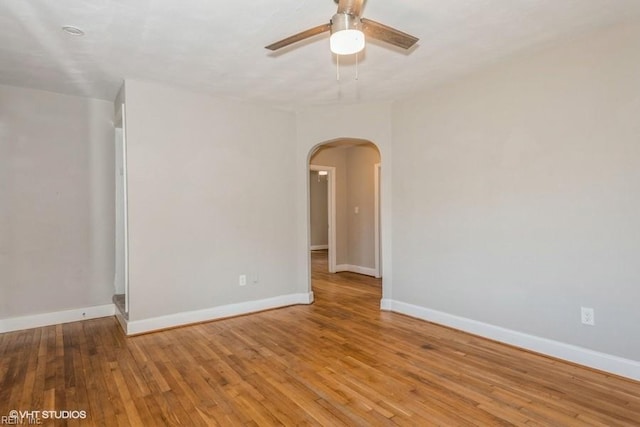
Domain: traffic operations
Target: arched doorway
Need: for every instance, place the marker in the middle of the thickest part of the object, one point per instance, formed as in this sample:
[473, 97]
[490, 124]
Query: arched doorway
[349, 171]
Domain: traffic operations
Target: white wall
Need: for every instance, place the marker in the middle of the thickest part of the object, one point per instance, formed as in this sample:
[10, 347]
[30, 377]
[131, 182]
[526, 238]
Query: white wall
[360, 183]
[515, 194]
[56, 202]
[209, 185]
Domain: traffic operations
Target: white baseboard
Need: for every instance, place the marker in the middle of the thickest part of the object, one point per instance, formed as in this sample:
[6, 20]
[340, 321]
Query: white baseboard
[386, 304]
[356, 269]
[55, 318]
[582, 356]
[185, 318]
[319, 247]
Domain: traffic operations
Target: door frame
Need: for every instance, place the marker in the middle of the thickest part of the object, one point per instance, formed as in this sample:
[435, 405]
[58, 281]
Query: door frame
[120, 123]
[331, 207]
[376, 218]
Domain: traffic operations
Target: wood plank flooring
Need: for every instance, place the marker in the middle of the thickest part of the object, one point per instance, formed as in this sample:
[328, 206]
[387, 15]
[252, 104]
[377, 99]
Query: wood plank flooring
[337, 362]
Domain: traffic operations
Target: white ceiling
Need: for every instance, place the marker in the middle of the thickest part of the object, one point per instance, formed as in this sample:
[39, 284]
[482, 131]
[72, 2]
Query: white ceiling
[217, 47]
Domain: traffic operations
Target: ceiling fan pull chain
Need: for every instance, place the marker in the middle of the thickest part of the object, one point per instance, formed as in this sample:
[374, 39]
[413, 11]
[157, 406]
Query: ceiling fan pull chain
[357, 65]
[338, 67]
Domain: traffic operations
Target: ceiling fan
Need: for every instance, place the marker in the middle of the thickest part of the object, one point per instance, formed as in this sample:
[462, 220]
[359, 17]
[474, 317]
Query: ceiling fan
[348, 30]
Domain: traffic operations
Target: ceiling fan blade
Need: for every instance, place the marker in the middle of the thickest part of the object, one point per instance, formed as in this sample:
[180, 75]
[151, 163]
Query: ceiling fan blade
[387, 34]
[351, 7]
[300, 36]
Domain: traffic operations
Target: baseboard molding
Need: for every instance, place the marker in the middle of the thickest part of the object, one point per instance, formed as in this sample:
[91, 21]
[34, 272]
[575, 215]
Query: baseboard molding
[582, 356]
[185, 318]
[55, 318]
[319, 247]
[356, 269]
[386, 304]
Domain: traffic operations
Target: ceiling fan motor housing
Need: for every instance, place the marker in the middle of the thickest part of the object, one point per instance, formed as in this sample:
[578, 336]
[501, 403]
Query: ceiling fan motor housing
[346, 34]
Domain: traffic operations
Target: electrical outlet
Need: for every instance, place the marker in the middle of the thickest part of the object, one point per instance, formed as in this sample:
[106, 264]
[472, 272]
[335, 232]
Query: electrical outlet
[587, 316]
[242, 280]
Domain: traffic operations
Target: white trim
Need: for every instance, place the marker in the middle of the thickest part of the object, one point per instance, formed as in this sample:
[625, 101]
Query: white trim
[125, 206]
[318, 247]
[331, 205]
[356, 269]
[386, 304]
[582, 356]
[207, 314]
[56, 317]
[376, 219]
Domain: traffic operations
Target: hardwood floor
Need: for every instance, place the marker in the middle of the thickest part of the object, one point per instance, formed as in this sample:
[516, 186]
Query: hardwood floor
[339, 361]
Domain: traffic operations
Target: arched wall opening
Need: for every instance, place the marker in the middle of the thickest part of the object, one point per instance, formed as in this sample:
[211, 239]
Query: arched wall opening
[318, 125]
[343, 208]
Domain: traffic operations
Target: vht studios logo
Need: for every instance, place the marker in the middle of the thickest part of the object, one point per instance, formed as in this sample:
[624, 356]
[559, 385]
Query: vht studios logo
[16, 417]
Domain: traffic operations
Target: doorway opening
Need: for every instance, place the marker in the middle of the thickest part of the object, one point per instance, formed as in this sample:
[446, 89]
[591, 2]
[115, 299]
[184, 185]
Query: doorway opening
[344, 206]
[322, 212]
[121, 277]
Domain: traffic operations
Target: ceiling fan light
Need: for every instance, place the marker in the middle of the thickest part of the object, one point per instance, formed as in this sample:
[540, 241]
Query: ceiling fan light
[347, 42]
[346, 36]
